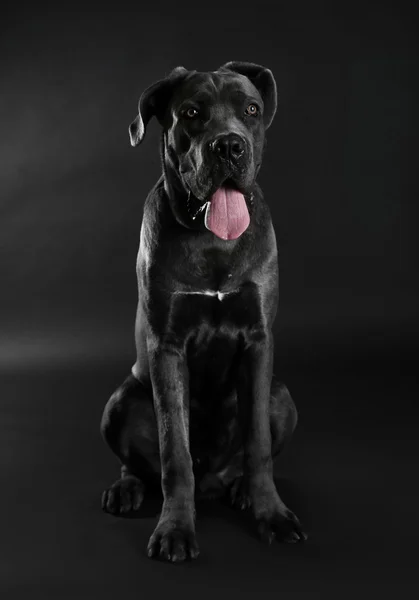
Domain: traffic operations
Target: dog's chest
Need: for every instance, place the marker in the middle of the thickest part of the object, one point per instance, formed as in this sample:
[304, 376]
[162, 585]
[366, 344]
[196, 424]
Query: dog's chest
[208, 310]
[209, 269]
[203, 292]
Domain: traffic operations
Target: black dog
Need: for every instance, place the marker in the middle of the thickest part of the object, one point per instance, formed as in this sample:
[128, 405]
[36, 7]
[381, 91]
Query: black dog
[202, 404]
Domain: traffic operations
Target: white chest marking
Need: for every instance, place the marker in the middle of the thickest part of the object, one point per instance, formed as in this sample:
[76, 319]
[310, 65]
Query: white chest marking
[219, 295]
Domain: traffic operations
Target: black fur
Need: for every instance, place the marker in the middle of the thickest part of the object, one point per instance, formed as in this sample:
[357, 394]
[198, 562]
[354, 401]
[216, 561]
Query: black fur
[202, 406]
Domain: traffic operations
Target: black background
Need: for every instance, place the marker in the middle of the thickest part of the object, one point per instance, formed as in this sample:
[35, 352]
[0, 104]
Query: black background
[340, 175]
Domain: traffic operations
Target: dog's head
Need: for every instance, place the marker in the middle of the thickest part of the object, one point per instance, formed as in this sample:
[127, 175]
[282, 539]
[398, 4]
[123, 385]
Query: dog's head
[214, 132]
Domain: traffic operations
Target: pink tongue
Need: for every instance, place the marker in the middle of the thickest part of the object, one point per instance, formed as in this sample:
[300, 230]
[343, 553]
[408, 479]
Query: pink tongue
[227, 215]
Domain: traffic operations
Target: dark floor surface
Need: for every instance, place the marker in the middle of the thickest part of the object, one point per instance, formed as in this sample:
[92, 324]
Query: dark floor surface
[350, 473]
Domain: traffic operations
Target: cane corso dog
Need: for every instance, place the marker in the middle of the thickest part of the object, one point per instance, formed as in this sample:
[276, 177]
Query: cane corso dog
[202, 410]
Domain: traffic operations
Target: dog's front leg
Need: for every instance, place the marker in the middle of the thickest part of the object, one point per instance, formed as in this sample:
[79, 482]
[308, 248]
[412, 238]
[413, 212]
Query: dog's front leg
[174, 537]
[272, 516]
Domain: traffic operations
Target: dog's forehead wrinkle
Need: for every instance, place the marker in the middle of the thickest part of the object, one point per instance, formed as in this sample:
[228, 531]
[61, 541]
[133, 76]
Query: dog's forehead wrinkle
[211, 83]
[215, 86]
[198, 81]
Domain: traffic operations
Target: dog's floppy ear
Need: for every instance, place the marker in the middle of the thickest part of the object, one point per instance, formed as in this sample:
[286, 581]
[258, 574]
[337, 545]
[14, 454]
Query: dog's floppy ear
[153, 102]
[264, 82]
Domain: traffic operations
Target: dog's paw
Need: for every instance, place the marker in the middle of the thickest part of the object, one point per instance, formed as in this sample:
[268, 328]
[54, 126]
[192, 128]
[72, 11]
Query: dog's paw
[274, 520]
[124, 496]
[173, 540]
[282, 525]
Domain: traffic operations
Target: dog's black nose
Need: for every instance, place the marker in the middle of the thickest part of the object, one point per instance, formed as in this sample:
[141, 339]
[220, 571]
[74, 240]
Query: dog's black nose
[229, 147]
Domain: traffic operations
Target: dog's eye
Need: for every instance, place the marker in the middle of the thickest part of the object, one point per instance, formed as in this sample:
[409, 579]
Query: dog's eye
[191, 113]
[252, 110]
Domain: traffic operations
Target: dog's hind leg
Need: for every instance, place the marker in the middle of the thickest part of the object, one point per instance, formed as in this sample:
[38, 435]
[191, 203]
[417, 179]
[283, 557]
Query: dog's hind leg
[130, 429]
[283, 416]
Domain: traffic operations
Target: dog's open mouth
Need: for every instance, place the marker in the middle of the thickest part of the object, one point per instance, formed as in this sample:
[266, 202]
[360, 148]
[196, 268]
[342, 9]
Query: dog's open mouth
[226, 213]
